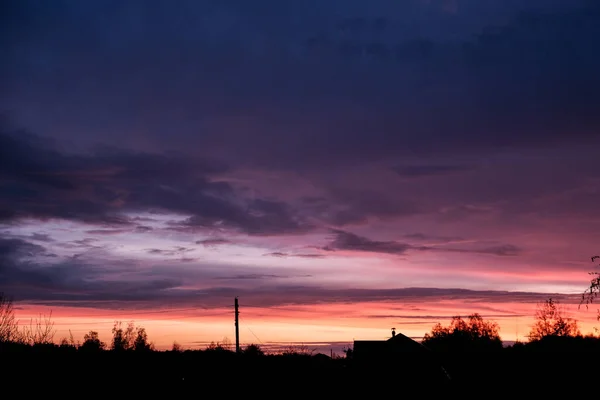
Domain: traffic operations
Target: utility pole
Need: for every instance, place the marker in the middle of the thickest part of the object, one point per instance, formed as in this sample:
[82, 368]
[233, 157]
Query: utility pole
[237, 327]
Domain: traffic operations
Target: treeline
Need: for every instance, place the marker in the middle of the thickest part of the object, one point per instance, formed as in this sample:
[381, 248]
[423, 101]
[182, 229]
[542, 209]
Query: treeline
[40, 334]
[472, 333]
[469, 349]
[555, 350]
[475, 333]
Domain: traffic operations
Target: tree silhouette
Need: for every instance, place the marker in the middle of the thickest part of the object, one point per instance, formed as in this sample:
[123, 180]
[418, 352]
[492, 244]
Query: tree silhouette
[141, 341]
[226, 344]
[9, 326]
[217, 347]
[594, 289]
[550, 322]
[176, 348]
[123, 338]
[474, 333]
[91, 342]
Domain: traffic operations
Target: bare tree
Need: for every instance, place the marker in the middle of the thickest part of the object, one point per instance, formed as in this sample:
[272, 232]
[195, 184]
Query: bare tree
[593, 290]
[72, 341]
[550, 322]
[176, 348]
[40, 330]
[9, 325]
[226, 344]
[298, 350]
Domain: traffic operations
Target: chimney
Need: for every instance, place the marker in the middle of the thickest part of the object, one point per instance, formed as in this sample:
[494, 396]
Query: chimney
[393, 332]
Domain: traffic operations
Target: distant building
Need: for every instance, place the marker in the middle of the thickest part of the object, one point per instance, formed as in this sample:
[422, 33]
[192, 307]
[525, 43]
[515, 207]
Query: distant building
[400, 354]
[397, 345]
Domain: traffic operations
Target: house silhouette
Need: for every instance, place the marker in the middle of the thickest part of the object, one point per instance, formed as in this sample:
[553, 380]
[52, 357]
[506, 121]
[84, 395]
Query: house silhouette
[401, 354]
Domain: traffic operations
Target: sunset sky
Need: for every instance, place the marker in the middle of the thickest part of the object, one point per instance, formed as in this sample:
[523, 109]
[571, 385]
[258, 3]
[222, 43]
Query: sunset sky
[342, 166]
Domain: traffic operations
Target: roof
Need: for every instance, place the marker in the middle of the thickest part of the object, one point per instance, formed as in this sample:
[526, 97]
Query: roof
[397, 345]
[404, 343]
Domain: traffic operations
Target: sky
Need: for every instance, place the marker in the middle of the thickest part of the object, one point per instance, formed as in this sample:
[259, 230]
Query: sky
[342, 166]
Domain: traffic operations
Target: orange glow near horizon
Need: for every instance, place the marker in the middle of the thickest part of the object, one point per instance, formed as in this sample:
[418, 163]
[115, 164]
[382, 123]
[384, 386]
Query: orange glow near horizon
[324, 323]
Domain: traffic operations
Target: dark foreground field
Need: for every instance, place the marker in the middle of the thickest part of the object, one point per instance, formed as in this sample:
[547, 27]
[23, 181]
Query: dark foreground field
[200, 374]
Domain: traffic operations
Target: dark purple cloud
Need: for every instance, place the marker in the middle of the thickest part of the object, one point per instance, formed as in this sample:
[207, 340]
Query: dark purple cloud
[502, 250]
[299, 255]
[440, 239]
[351, 242]
[100, 188]
[257, 277]
[177, 250]
[213, 242]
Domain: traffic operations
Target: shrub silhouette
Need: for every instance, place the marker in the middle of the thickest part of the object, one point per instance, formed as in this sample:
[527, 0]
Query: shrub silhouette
[301, 350]
[217, 347]
[91, 342]
[40, 331]
[69, 342]
[253, 350]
